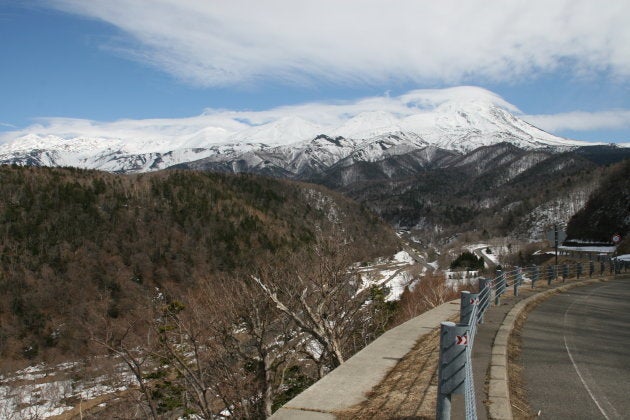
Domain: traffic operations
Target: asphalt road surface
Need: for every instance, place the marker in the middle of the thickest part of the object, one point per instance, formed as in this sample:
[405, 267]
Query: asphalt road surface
[576, 353]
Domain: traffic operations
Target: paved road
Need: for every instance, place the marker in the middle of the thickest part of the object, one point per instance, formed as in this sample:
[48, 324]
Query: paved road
[478, 251]
[418, 258]
[576, 353]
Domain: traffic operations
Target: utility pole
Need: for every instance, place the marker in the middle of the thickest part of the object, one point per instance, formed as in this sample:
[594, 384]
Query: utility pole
[555, 235]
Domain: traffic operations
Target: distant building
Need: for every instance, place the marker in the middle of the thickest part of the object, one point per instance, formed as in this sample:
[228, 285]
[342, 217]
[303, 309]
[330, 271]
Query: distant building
[461, 277]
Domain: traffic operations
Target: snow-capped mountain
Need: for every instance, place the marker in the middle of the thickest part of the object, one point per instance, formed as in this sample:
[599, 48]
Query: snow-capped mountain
[290, 145]
[464, 126]
[368, 125]
[286, 130]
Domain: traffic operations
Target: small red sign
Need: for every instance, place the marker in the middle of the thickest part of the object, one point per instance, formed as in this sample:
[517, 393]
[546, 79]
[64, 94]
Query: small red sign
[616, 238]
[461, 340]
[474, 301]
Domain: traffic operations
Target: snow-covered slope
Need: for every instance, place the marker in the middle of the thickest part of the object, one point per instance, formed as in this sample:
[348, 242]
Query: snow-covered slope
[289, 144]
[464, 126]
[368, 125]
[286, 130]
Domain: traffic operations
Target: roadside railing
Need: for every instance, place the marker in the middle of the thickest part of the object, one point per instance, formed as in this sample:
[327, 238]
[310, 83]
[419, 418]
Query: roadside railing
[455, 374]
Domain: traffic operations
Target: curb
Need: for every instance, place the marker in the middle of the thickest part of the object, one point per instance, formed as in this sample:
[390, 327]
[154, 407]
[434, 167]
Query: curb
[351, 382]
[499, 406]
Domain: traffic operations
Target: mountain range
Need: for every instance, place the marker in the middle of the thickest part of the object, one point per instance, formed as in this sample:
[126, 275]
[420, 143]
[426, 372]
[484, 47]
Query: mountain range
[465, 163]
[292, 146]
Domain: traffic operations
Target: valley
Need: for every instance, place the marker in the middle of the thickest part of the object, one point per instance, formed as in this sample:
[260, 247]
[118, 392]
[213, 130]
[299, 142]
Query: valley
[208, 208]
[167, 279]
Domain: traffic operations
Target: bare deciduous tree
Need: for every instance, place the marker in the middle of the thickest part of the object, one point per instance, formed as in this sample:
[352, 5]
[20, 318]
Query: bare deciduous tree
[255, 343]
[123, 343]
[321, 294]
[429, 292]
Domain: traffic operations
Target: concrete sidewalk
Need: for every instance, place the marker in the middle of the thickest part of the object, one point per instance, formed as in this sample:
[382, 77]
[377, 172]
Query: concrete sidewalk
[351, 382]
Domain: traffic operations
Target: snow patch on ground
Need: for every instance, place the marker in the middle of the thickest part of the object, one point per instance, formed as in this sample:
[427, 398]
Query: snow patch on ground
[404, 257]
[40, 391]
[394, 274]
[397, 285]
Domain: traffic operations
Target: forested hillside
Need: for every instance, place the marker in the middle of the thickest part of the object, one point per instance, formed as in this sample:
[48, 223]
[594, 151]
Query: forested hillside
[82, 248]
[607, 211]
[499, 189]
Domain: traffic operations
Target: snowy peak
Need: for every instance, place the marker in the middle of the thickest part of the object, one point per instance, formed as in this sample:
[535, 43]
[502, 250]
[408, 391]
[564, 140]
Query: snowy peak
[466, 126]
[459, 120]
[283, 131]
[368, 125]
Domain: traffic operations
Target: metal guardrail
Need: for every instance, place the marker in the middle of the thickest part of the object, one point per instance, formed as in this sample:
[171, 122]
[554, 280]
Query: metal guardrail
[455, 374]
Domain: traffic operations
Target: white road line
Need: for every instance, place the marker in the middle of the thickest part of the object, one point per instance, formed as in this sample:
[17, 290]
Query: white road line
[575, 366]
[582, 379]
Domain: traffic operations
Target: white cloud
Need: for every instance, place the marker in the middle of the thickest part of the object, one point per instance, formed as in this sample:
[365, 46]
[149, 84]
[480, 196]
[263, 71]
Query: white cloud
[216, 125]
[582, 121]
[217, 42]
[160, 129]
[330, 114]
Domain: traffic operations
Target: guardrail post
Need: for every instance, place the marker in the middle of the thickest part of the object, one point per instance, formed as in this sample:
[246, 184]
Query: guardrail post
[485, 288]
[451, 369]
[483, 283]
[496, 286]
[468, 301]
[535, 274]
[499, 287]
[549, 275]
[502, 284]
[518, 280]
[591, 268]
[578, 270]
[602, 268]
[565, 272]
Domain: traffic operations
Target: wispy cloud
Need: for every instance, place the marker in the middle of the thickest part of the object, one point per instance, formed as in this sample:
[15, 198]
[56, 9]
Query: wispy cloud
[582, 121]
[217, 43]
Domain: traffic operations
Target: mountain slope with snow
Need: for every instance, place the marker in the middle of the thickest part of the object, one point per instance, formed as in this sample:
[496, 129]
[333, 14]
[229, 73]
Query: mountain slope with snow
[288, 144]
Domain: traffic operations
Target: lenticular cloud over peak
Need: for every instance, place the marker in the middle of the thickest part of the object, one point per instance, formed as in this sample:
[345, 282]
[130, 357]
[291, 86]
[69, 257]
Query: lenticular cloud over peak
[432, 98]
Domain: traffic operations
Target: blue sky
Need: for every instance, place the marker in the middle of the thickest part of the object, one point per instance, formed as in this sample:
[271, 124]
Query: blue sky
[564, 64]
